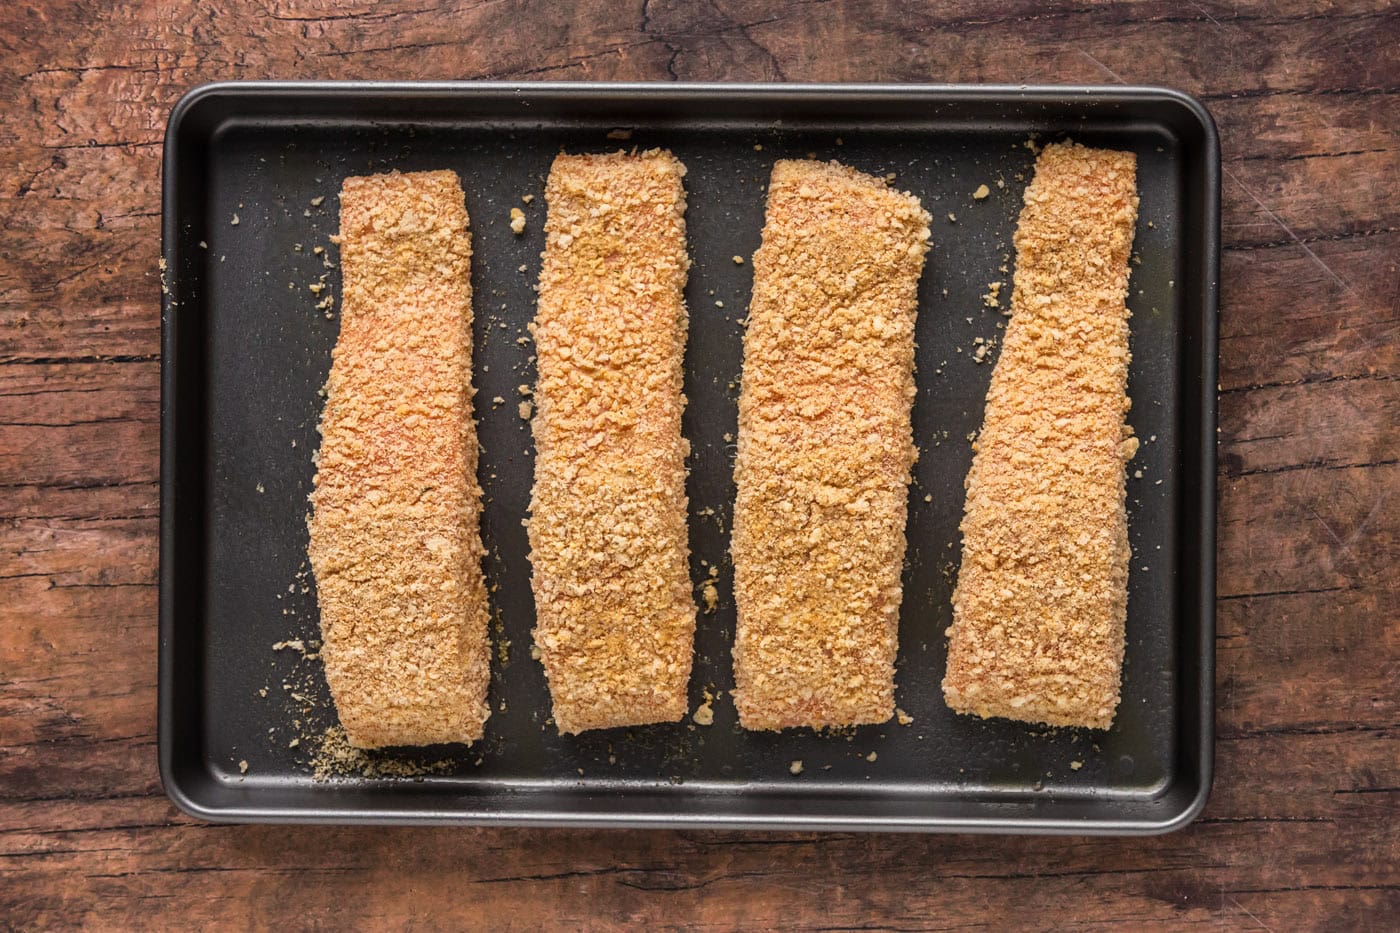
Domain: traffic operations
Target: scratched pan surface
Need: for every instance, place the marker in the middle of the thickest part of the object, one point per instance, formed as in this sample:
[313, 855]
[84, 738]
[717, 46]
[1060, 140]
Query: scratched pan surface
[246, 351]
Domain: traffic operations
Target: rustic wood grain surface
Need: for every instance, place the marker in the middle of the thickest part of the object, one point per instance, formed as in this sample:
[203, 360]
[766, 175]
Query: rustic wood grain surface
[1303, 830]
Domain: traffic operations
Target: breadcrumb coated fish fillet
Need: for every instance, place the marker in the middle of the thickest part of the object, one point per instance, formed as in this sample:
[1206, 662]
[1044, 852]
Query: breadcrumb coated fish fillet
[394, 542]
[825, 448]
[1041, 599]
[609, 546]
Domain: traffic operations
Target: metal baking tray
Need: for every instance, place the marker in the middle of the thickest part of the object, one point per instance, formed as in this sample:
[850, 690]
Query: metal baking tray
[245, 353]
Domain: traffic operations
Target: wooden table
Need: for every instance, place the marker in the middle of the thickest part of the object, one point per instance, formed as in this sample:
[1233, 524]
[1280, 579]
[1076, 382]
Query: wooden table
[1304, 826]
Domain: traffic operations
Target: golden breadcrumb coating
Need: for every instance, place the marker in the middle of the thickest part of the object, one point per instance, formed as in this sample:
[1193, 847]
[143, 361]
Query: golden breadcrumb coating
[615, 617]
[395, 545]
[825, 448]
[1041, 599]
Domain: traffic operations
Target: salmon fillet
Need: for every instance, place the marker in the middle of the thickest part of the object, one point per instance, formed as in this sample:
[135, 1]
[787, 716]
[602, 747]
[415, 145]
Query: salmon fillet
[1041, 598]
[609, 547]
[825, 448]
[394, 541]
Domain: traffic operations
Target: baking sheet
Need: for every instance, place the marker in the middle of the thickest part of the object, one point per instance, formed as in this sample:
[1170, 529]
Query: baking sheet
[246, 351]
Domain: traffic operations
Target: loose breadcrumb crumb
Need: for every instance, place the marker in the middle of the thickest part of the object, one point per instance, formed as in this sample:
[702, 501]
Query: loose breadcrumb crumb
[704, 714]
[517, 221]
[981, 192]
[795, 767]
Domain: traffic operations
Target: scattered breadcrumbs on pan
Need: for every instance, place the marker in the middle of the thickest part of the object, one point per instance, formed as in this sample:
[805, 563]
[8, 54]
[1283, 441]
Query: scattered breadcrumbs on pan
[609, 545]
[1041, 597]
[394, 538]
[333, 757]
[825, 448]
